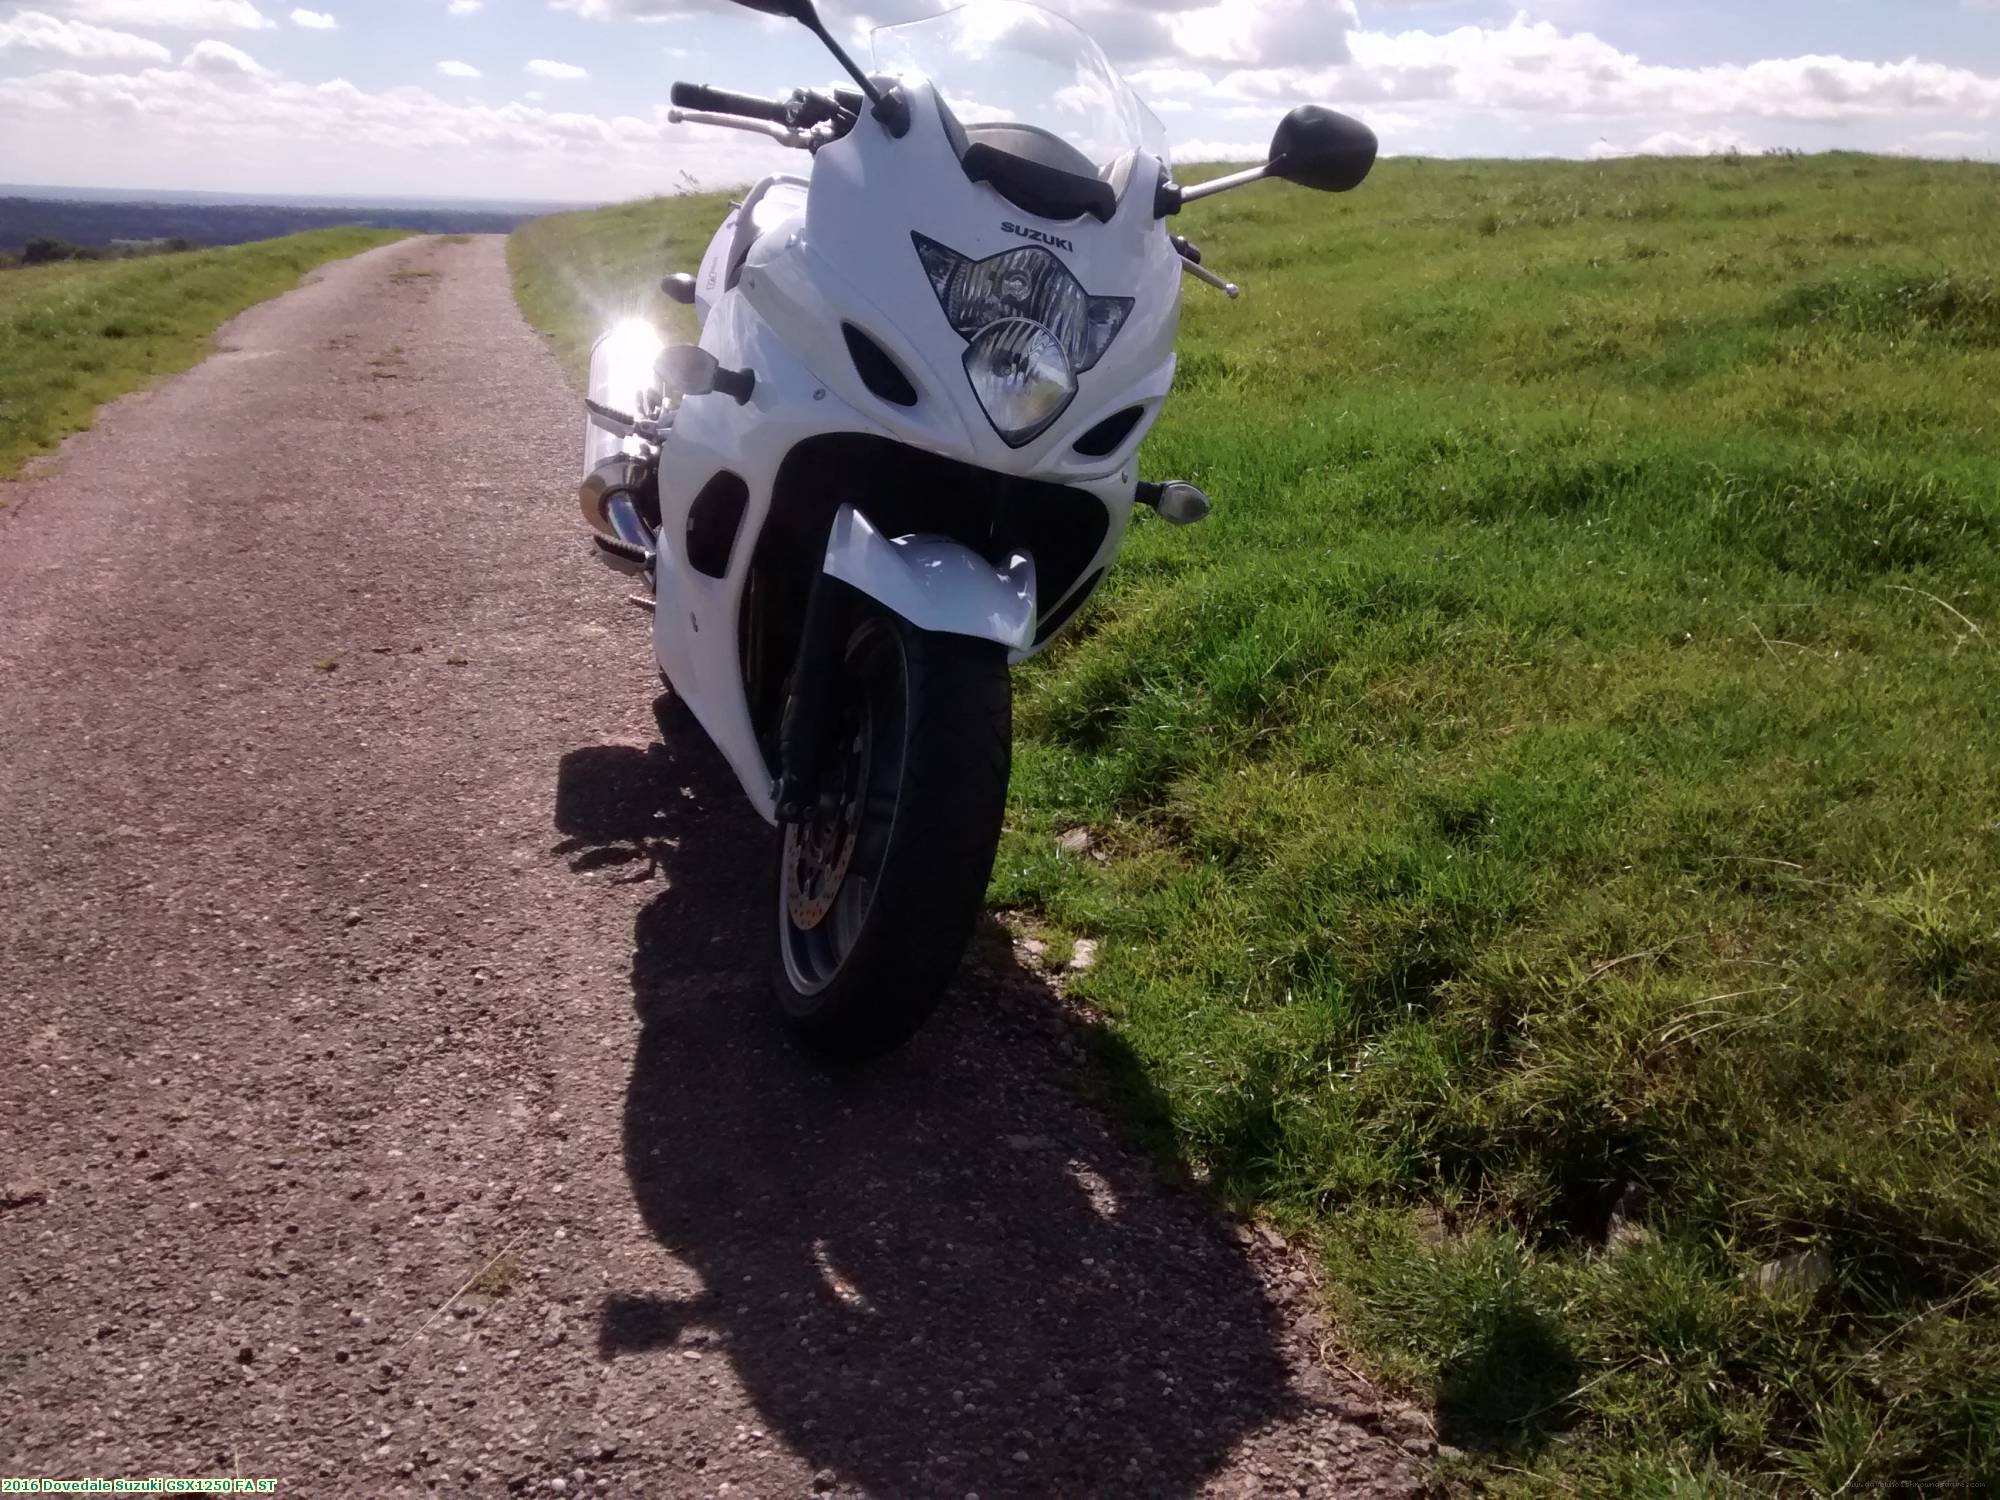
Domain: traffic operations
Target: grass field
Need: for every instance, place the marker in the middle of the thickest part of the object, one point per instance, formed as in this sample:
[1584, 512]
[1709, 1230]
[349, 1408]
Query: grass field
[1554, 803]
[77, 334]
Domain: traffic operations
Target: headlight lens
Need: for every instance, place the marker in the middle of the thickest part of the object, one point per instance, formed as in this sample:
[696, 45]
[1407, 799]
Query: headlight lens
[1021, 376]
[1031, 326]
[626, 355]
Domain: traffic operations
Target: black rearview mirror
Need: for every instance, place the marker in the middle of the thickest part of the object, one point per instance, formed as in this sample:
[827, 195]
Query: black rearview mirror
[797, 10]
[690, 370]
[1314, 147]
[1318, 148]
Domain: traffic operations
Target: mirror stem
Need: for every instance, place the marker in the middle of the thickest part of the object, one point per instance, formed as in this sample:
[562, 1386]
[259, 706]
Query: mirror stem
[840, 56]
[1224, 184]
[1228, 289]
[892, 108]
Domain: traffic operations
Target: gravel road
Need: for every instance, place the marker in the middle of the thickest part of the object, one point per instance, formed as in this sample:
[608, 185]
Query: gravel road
[390, 1101]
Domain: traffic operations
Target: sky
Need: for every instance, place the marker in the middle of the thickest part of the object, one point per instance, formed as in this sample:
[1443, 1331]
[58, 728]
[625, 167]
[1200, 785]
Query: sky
[567, 99]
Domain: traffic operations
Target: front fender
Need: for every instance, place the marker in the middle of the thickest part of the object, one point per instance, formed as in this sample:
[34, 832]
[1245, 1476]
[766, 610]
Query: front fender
[935, 583]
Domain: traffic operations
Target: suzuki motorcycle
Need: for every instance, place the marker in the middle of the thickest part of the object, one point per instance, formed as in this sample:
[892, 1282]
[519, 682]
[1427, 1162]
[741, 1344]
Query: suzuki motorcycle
[901, 459]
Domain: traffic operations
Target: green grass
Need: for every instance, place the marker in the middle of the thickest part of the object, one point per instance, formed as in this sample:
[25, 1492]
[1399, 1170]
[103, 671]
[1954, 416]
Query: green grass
[1569, 758]
[80, 333]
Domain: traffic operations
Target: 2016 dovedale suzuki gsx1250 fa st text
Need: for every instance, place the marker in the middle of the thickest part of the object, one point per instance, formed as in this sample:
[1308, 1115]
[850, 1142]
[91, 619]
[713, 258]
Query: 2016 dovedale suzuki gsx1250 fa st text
[901, 459]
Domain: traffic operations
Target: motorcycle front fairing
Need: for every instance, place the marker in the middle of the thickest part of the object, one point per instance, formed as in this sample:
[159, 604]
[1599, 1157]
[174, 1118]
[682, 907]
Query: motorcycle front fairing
[751, 492]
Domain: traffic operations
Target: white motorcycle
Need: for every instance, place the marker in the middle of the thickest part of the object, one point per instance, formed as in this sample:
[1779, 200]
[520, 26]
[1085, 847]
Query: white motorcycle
[902, 458]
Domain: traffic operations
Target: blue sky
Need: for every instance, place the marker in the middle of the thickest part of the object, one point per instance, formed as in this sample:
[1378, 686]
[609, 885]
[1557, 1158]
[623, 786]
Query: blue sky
[565, 99]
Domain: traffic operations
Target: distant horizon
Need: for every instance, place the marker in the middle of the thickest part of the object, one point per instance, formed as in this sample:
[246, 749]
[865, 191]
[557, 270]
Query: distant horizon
[76, 192]
[55, 192]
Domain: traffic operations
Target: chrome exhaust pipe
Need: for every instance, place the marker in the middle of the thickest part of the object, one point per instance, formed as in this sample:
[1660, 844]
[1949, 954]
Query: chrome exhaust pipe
[613, 478]
[624, 541]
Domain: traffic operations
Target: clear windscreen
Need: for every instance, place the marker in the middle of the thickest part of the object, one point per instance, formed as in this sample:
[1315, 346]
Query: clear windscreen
[1005, 61]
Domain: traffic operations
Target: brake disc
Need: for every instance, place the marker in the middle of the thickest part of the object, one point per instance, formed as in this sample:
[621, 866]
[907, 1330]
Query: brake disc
[819, 851]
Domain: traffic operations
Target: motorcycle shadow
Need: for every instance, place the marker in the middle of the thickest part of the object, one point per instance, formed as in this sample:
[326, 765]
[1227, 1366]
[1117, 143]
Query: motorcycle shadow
[935, 1275]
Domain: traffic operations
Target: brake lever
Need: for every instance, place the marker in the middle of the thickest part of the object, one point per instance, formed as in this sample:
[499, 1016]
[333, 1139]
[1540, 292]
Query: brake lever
[784, 135]
[623, 424]
[1190, 254]
[1229, 289]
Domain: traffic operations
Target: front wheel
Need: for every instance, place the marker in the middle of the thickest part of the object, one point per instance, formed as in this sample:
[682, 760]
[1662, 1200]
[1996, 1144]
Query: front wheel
[879, 891]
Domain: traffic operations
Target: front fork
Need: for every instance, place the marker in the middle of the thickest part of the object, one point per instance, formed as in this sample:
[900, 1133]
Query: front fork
[802, 731]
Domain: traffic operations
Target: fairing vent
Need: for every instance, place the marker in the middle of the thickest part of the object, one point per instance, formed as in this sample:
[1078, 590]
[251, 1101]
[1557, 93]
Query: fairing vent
[713, 521]
[1109, 435]
[877, 370]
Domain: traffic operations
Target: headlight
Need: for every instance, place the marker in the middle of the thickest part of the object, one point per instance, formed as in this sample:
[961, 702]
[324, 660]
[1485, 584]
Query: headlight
[1031, 326]
[625, 356]
[1021, 376]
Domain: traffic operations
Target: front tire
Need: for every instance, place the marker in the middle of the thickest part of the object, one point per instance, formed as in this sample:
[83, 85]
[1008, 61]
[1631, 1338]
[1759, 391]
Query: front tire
[878, 893]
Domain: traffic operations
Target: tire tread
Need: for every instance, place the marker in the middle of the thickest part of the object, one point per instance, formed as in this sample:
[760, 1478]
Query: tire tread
[933, 886]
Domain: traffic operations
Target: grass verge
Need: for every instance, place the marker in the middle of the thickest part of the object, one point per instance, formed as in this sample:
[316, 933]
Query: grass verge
[576, 274]
[78, 334]
[1554, 804]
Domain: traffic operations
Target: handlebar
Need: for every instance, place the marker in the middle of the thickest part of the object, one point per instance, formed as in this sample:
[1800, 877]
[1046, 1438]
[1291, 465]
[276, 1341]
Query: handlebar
[721, 102]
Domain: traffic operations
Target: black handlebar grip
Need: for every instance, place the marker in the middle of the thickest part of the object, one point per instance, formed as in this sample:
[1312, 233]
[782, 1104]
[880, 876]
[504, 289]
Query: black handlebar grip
[721, 102]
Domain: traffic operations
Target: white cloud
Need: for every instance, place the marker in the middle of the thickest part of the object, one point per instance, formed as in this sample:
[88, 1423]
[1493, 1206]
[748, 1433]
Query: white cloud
[1221, 71]
[1306, 33]
[1319, 48]
[1220, 150]
[1129, 31]
[1533, 65]
[1302, 49]
[1674, 143]
[632, 10]
[252, 131]
[31, 31]
[453, 69]
[220, 60]
[1960, 145]
[1531, 87]
[173, 15]
[314, 20]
